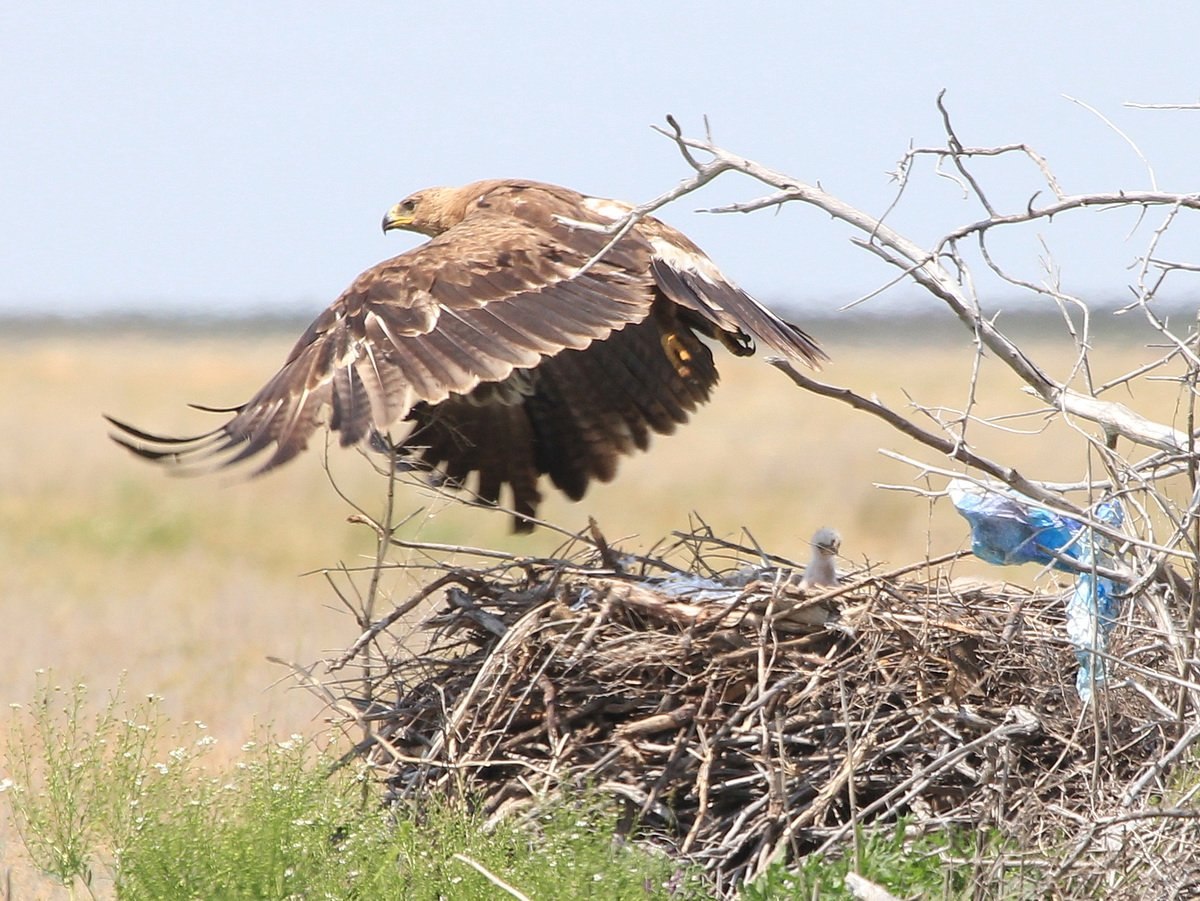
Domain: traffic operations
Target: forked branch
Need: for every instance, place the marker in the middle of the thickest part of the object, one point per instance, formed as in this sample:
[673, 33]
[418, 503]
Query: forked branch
[927, 267]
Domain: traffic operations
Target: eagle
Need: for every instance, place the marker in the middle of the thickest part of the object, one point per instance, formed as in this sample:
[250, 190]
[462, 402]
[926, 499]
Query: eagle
[537, 333]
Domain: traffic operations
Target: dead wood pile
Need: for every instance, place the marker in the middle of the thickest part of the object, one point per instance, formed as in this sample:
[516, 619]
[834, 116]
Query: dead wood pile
[743, 721]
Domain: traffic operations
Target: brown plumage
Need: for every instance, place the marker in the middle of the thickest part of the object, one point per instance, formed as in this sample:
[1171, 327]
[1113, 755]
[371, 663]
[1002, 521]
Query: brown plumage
[507, 361]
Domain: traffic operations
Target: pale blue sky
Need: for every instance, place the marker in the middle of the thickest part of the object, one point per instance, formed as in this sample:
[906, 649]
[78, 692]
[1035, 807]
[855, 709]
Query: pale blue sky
[197, 156]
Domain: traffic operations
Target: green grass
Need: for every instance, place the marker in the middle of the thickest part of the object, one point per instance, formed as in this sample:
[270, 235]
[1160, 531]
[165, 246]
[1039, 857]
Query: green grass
[927, 866]
[92, 797]
[103, 811]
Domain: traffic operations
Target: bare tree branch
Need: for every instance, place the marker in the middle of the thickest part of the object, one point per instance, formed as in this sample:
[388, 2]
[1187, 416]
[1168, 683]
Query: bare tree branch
[925, 267]
[1162, 106]
[956, 450]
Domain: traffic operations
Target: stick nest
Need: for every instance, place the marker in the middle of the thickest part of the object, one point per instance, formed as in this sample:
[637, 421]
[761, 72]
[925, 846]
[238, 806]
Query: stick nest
[741, 720]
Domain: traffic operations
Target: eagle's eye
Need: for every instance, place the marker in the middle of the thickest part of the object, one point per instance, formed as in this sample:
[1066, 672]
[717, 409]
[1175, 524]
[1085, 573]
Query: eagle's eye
[408, 205]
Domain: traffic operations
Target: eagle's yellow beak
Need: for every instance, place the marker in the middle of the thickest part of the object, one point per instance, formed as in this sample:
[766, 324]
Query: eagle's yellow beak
[399, 216]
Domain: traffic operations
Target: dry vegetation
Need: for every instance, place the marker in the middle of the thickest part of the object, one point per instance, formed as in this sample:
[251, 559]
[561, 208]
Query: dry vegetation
[189, 584]
[745, 721]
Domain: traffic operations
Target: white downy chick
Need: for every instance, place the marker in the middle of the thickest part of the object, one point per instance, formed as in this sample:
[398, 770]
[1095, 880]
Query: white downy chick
[821, 571]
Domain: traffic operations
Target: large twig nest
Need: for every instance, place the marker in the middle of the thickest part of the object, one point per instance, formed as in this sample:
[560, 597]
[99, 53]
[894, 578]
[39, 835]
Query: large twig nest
[745, 720]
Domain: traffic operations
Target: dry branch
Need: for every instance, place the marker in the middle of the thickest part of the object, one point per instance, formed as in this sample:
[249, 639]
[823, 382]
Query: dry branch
[928, 268]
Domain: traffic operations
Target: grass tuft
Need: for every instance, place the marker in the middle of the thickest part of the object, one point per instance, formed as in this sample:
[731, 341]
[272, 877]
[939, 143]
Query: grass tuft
[92, 796]
[928, 866]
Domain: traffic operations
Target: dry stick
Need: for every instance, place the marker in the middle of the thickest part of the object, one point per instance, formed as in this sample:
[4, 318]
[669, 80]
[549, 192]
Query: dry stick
[921, 265]
[383, 535]
[705, 172]
[707, 758]
[436, 547]
[528, 622]
[1189, 638]
[491, 877]
[772, 774]
[1189, 201]
[676, 719]
[1144, 293]
[1182, 813]
[1162, 263]
[851, 792]
[383, 532]
[371, 736]
[541, 672]
[1128, 140]
[911, 786]
[382, 625]
[820, 803]
[585, 644]
[516, 560]
[893, 574]
[960, 153]
[815, 598]
[1161, 106]
[956, 154]
[953, 449]
[1116, 420]
[1064, 509]
[1112, 660]
[734, 546]
[1160, 766]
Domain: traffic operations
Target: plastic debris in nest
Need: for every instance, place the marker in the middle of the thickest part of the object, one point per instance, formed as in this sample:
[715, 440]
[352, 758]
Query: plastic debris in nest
[1008, 528]
[820, 573]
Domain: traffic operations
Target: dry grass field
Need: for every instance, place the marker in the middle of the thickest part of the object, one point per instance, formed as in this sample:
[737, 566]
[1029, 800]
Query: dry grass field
[187, 585]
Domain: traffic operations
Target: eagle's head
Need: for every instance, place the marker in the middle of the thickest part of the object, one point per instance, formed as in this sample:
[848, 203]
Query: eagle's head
[419, 212]
[432, 211]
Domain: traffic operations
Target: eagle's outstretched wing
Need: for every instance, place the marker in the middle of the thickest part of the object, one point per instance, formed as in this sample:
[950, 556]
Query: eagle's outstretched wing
[509, 360]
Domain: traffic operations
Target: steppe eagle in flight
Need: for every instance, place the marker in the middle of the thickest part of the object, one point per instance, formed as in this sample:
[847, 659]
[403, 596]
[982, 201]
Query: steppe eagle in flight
[507, 360]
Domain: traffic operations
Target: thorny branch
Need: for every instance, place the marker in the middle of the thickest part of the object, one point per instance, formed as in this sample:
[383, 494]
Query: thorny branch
[705, 172]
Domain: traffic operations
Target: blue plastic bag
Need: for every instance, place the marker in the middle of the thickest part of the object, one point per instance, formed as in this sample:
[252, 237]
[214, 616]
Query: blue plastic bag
[1008, 528]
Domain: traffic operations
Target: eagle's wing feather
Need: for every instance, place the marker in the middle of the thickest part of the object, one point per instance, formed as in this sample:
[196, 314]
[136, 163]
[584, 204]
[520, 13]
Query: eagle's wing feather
[576, 414]
[489, 296]
[689, 278]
